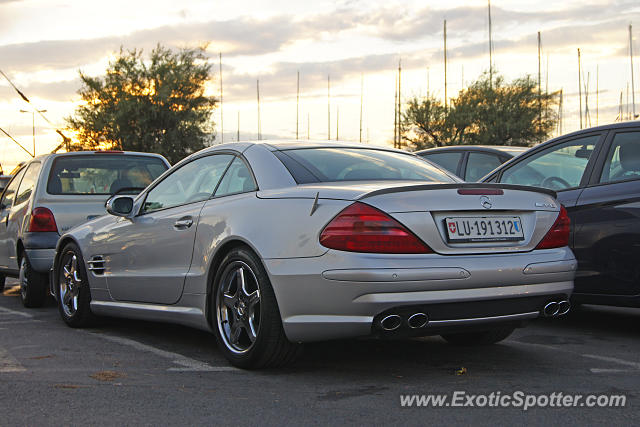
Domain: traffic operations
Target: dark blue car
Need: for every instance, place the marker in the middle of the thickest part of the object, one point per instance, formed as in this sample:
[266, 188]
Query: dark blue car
[596, 174]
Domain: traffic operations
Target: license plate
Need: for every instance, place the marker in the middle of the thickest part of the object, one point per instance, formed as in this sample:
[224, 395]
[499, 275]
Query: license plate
[484, 229]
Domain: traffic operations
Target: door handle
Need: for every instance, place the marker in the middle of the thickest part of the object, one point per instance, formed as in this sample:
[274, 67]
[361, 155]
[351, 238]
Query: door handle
[184, 222]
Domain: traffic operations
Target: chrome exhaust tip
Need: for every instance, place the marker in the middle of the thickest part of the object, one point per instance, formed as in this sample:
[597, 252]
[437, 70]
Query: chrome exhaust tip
[391, 322]
[551, 309]
[564, 307]
[418, 320]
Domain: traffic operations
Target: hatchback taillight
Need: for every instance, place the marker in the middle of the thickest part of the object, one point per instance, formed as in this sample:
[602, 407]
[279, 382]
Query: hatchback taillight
[363, 228]
[42, 220]
[558, 235]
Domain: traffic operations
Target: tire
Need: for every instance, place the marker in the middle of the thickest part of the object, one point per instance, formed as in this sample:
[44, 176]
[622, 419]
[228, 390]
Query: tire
[72, 288]
[33, 285]
[491, 336]
[2, 280]
[245, 318]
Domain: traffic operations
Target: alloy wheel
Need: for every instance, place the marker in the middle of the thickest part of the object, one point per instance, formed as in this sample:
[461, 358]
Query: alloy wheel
[69, 284]
[238, 307]
[22, 278]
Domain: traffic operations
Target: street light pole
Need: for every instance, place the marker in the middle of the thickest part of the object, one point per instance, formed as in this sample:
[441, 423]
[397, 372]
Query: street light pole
[33, 124]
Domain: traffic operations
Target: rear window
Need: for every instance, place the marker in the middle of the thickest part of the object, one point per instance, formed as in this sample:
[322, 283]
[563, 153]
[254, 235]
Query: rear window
[309, 165]
[103, 173]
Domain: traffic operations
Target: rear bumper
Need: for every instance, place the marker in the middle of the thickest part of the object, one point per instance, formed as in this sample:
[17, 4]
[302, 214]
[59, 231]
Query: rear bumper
[41, 260]
[40, 249]
[341, 294]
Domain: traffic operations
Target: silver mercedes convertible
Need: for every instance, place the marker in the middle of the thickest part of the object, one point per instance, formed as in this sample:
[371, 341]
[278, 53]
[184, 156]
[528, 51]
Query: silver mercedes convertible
[270, 245]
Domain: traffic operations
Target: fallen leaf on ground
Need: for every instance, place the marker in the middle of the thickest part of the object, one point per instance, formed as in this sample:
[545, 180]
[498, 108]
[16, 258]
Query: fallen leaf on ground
[107, 375]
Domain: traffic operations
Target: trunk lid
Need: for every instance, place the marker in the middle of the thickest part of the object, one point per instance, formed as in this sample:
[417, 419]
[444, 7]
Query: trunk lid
[429, 210]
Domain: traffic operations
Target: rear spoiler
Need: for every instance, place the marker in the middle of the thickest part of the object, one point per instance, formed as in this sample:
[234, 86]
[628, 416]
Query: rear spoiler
[466, 185]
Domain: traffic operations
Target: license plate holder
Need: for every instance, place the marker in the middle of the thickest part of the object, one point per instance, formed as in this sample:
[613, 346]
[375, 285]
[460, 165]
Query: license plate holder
[484, 229]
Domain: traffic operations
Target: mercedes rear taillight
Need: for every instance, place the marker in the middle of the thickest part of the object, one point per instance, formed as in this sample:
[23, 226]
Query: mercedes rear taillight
[558, 235]
[363, 228]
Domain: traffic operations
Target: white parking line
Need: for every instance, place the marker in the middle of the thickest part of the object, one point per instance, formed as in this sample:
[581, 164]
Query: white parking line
[8, 363]
[18, 322]
[187, 364]
[590, 356]
[4, 310]
[610, 371]
[613, 360]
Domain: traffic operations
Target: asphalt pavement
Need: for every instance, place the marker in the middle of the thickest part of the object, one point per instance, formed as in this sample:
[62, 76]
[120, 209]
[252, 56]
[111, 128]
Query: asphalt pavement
[126, 372]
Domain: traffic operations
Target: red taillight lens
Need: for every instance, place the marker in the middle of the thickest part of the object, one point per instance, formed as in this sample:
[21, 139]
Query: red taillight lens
[42, 220]
[363, 228]
[558, 235]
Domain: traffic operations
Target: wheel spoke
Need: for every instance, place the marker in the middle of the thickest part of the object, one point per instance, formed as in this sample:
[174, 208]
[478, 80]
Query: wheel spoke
[236, 330]
[74, 269]
[253, 299]
[251, 329]
[240, 282]
[74, 303]
[66, 272]
[66, 298]
[229, 301]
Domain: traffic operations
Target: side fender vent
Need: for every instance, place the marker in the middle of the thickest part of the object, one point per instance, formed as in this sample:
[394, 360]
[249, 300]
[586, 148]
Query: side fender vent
[96, 265]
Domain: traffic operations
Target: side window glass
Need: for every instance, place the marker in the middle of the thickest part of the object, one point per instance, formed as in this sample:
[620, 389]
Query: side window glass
[449, 161]
[193, 182]
[10, 192]
[238, 179]
[558, 168]
[28, 183]
[623, 159]
[480, 164]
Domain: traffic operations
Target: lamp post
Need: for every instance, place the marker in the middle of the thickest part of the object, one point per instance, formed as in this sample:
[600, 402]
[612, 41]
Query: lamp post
[33, 122]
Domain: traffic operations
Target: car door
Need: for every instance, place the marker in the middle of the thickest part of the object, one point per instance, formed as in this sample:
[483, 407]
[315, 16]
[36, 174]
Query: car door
[607, 220]
[6, 203]
[564, 166]
[147, 258]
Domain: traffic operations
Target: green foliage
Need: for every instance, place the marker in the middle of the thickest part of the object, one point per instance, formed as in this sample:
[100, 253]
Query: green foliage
[155, 106]
[487, 112]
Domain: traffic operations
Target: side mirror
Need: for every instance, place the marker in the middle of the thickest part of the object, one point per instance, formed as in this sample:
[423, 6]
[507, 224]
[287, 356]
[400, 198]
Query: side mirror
[583, 153]
[120, 205]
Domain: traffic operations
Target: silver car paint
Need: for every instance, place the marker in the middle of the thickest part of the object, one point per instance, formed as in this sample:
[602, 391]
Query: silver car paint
[326, 293]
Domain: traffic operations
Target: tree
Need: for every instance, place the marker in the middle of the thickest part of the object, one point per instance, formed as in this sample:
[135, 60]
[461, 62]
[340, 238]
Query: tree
[430, 124]
[490, 112]
[156, 106]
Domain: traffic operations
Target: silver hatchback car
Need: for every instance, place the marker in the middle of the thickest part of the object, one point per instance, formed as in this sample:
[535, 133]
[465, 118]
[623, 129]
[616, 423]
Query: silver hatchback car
[51, 194]
[269, 245]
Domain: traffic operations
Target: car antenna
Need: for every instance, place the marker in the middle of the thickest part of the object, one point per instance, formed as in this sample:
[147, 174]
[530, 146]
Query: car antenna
[315, 204]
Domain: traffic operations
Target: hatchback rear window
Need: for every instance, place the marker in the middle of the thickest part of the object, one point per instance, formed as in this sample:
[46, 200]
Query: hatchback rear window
[103, 173]
[309, 165]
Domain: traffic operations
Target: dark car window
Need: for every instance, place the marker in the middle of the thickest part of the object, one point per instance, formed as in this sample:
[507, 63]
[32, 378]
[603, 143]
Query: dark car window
[237, 179]
[559, 167]
[360, 164]
[193, 182]
[10, 192]
[623, 159]
[103, 173]
[480, 164]
[449, 160]
[28, 183]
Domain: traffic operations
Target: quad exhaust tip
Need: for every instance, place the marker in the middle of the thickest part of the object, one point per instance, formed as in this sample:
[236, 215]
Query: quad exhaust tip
[556, 308]
[391, 322]
[418, 320]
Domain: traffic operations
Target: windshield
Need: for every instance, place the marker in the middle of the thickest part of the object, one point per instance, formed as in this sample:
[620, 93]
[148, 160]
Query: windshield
[309, 165]
[103, 173]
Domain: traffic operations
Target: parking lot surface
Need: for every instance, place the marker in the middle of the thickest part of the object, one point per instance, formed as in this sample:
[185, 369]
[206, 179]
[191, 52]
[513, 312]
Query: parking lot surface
[134, 372]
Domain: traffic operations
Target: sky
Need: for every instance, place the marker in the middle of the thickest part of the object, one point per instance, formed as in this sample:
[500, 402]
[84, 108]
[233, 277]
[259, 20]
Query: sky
[358, 43]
